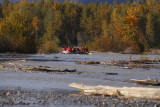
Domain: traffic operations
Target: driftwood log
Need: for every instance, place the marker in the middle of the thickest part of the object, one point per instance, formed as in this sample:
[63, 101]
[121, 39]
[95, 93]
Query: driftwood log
[137, 92]
[42, 69]
[146, 82]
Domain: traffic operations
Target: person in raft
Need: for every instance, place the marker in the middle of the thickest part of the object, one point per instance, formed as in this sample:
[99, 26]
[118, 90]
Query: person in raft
[65, 48]
[69, 48]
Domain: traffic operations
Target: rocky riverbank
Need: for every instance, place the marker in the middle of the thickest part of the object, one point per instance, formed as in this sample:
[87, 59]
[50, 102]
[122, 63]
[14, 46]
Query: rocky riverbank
[50, 97]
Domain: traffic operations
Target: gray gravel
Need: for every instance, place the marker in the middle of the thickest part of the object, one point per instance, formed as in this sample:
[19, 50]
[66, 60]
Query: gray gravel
[23, 97]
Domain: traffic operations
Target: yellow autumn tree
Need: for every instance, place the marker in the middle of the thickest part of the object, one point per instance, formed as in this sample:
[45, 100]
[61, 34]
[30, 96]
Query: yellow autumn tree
[132, 35]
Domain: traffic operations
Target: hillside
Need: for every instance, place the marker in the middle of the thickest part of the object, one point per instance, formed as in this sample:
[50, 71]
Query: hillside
[80, 1]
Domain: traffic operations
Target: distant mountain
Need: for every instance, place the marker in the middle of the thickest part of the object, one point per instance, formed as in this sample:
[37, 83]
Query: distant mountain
[79, 1]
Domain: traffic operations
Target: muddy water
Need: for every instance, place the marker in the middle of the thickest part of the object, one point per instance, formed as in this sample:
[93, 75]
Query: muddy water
[91, 74]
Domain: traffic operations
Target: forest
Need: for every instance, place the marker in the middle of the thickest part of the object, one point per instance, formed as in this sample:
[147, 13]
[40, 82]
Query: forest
[45, 26]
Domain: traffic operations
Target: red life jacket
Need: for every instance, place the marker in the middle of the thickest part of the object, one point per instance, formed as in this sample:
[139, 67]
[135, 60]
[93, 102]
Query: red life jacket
[69, 49]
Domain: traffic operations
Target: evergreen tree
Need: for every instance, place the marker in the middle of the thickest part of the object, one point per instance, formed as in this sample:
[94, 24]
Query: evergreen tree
[1, 11]
[150, 32]
[5, 4]
[131, 1]
[115, 2]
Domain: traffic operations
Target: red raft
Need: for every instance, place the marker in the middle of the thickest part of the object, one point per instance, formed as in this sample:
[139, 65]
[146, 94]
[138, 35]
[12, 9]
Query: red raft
[68, 52]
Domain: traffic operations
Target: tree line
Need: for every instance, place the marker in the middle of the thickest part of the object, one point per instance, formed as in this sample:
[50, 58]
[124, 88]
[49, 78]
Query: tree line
[44, 26]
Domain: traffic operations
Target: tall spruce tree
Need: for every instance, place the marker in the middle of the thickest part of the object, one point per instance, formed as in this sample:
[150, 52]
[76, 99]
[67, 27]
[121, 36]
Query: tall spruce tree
[1, 11]
[5, 4]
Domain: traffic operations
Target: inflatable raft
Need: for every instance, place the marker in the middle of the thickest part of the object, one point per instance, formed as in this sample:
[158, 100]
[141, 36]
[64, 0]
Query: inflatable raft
[68, 52]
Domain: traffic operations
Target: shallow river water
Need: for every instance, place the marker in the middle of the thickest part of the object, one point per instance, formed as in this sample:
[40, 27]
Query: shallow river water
[91, 74]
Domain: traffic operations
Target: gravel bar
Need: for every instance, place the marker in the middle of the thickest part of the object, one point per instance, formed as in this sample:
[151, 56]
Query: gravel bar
[23, 97]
